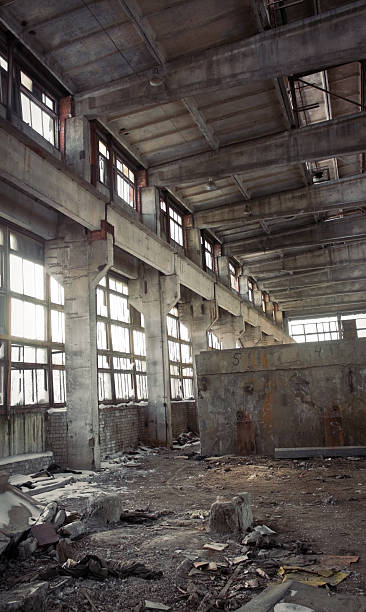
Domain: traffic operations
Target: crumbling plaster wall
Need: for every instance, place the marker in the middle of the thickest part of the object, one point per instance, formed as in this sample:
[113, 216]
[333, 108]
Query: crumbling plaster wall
[253, 400]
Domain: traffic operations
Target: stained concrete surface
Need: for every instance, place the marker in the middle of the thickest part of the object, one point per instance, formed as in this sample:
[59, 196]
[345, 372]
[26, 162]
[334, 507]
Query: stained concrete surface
[254, 400]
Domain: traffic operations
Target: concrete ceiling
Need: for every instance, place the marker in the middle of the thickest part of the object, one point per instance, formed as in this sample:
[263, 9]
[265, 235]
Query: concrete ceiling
[286, 205]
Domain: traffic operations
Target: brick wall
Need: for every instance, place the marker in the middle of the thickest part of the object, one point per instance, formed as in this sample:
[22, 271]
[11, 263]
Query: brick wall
[184, 417]
[56, 434]
[120, 427]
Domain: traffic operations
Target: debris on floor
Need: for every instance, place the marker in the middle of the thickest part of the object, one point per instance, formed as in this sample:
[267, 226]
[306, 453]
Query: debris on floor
[130, 538]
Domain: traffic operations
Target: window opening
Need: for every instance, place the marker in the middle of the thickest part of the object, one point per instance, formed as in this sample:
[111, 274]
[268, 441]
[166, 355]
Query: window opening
[250, 290]
[208, 254]
[180, 357]
[171, 222]
[35, 329]
[213, 341]
[234, 280]
[121, 344]
[103, 157]
[314, 330]
[125, 182]
[38, 108]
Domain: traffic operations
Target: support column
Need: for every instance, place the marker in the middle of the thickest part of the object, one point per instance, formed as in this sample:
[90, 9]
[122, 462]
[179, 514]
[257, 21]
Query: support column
[77, 146]
[257, 298]
[150, 208]
[278, 315]
[80, 260]
[159, 295]
[269, 309]
[193, 241]
[229, 329]
[199, 315]
[223, 270]
[243, 287]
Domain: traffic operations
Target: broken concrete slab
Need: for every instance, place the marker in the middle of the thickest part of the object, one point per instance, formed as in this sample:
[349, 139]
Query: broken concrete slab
[296, 593]
[106, 507]
[74, 530]
[16, 508]
[320, 451]
[25, 598]
[231, 516]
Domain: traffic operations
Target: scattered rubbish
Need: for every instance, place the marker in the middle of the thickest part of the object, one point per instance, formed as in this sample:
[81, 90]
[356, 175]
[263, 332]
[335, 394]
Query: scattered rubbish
[231, 516]
[185, 438]
[217, 546]
[240, 559]
[45, 534]
[154, 605]
[264, 530]
[138, 516]
[312, 575]
[25, 597]
[99, 569]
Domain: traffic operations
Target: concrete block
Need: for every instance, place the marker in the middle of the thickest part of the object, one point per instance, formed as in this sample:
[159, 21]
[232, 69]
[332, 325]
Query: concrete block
[107, 508]
[74, 530]
[231, 516]
[27, 547]
[25, 598]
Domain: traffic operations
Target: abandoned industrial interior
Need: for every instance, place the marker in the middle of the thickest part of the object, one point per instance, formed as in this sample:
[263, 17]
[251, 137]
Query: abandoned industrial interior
[182, 305]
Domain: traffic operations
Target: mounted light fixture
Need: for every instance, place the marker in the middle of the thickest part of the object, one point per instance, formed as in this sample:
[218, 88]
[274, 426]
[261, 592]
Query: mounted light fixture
[155, 79]
[211, 185]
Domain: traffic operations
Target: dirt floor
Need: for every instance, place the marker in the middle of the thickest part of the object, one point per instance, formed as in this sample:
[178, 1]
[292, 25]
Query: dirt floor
[314, 506]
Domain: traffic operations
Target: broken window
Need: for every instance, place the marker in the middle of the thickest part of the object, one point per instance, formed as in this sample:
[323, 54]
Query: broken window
[213, 341]
[180, 357]
[34, 328]
[38, 108]
[103, 157]
[263, 301]
[121, 344]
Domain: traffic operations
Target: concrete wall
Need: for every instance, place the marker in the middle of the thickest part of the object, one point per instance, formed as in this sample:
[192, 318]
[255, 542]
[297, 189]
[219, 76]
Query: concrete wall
[253, 400]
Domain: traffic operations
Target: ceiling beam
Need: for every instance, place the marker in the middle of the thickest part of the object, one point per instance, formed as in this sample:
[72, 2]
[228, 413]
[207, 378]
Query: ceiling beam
[332, 38]
[306, 280]
[319, 259]
[316, 141]
[306, 312]
[143, 28]
[200, 121]
[335, 289]
[320, 233]
[337, 302]
[324, 197]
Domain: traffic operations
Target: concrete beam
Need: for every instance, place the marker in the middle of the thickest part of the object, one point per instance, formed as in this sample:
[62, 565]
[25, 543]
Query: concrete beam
[329, 257]
[200, 121]
[325, 197]
[321, 233]
[309, 280]
[354, 288]
[316, 141]
[332, 38]
[31, 170]
[313, 305]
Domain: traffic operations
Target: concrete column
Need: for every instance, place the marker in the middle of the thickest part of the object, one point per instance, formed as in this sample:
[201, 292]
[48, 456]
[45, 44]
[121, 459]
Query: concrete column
[199, 315]
[193, 241]
[229, 329]
[278, 316]
[159, 295]
[257, 298]
[223, 270]
[77, 146]
[150, 208]
[243, 287]
[252, 336]
[81, 260]
[269, 309]
[349, 329]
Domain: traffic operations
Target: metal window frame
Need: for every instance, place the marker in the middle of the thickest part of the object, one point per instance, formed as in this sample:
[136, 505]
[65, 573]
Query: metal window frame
[179, 364]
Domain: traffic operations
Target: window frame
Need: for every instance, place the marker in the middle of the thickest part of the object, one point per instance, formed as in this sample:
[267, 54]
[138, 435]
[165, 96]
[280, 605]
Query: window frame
[171, 215]
[12, 342]
[208, 253]
[38, 101]
[138, 377]
[179, 364]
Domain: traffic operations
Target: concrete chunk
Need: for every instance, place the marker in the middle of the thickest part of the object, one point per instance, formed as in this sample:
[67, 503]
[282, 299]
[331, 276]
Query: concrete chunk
[25, 598]
[231, 516]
